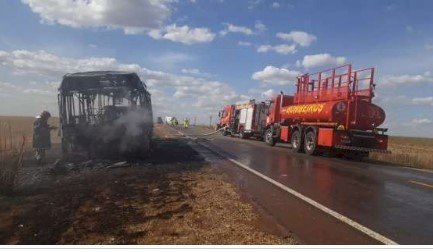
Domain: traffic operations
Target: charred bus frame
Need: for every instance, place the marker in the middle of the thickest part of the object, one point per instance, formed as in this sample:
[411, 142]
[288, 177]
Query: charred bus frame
[92, 101]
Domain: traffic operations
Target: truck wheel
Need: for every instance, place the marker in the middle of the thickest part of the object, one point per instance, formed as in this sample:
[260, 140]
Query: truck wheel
[224, 132]
[242, 134]
[269, 138]
[310, 143]
[296, 141]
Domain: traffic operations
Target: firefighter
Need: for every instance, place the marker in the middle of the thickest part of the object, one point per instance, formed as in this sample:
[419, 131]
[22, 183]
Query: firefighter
[41, 136]
[186, 123]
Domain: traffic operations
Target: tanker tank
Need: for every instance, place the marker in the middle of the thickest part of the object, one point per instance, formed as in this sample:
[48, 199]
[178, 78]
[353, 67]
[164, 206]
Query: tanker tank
[367, 116]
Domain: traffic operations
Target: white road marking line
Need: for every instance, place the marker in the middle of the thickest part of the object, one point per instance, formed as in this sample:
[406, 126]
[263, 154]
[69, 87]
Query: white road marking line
[415, 169]
[310, 201]
[421, 183]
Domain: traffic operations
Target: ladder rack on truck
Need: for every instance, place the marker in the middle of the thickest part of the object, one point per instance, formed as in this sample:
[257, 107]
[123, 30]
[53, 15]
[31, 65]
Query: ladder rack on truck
[331, 109]
[337, 84]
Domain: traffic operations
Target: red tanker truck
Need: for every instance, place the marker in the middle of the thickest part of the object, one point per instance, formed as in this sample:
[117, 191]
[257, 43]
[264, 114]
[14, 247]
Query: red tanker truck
[245, 119]
[330, 111]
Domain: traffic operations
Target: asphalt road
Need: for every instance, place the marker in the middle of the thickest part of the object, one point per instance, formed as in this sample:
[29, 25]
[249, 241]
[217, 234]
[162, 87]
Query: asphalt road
[396, 202]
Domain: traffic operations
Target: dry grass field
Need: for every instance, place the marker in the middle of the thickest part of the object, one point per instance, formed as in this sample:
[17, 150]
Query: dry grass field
[408, 151]
[23, 126]
[15, 141]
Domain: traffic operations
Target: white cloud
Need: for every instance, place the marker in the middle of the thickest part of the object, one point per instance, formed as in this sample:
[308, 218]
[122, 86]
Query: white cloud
[281, 49]
[133, 16]
[268, 94]
[43, 63]
[231, 28]
[236, 29]
[254, 3]
[260, 27]
[171, 60]
[275, 75]
[195, 72]
[299, 37]
[28, 100]
[212, 95]
[407, 79]
[190, 71]
[323, 59]
[387, 99]
[199, 95]
[421, 121]
[183, 34]
[423, 100]
[243, 43]
[275, 5]
[264, 48]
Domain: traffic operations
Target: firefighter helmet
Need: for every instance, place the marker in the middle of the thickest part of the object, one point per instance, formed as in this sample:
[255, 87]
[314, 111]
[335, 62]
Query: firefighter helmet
[45, 114]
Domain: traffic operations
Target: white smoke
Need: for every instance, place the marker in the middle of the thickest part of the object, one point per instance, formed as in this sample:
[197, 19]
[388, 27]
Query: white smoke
[131, 131]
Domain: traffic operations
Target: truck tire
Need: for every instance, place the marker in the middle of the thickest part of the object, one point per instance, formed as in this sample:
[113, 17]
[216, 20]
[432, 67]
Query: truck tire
[242, 134]
[225, 132]
[296, 141]
[310, 143]
[269, 138]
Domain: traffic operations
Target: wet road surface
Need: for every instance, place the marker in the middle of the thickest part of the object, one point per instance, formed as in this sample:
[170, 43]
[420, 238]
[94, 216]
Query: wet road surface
[394, 201]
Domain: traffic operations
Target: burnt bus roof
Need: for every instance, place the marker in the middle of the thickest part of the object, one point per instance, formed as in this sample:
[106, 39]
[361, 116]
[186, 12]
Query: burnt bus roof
[101, 80]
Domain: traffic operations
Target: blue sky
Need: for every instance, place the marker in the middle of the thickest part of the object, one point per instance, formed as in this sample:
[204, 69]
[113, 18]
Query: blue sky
[198, 55]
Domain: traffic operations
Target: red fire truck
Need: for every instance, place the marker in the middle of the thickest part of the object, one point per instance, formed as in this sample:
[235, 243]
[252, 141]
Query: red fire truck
[246, 119]
[331, 110]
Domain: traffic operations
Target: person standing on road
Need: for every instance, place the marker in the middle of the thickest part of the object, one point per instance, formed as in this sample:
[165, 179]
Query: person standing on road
[41, 136]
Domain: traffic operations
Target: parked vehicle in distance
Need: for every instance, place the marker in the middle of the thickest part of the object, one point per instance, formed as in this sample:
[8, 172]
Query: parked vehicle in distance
[246, 119]
[171, 120]
[331, 111]
[168, 119]
[105, 112]
[159, 120]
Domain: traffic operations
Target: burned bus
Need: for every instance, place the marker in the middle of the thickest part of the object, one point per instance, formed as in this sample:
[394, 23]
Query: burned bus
[105, 113]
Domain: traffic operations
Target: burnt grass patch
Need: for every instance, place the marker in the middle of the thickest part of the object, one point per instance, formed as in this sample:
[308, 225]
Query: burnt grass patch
[100, 206]
[173, 150]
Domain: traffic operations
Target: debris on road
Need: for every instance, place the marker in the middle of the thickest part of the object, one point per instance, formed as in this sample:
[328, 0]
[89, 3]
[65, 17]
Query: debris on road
[119, 165]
